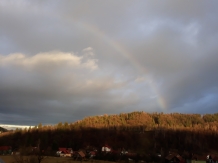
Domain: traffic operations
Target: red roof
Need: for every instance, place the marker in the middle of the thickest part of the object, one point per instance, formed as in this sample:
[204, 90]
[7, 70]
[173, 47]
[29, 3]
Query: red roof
[65, 150]
[3, 148]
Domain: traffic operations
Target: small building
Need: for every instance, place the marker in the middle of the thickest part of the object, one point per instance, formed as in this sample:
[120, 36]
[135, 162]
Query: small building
[4, 150]
[174, 158]
[79, 155]
[92, 154]
[106, 149]
[64, 152]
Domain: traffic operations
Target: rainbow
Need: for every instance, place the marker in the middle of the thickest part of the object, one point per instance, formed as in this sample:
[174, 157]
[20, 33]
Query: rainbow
[122, 51]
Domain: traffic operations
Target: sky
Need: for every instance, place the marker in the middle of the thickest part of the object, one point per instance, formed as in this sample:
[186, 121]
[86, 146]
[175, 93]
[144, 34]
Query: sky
[62, 61]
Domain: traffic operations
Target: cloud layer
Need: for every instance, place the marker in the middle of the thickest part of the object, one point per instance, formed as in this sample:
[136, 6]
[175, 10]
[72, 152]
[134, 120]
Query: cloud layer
[61, 61]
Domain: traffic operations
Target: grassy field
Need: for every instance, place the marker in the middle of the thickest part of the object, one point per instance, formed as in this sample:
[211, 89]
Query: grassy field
[11, 159]
[199, 161]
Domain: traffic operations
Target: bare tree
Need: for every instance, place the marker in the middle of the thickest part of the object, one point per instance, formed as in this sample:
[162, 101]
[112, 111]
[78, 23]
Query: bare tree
[39, 152]
[30, 155]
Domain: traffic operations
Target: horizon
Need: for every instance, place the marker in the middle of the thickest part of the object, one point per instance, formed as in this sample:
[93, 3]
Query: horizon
[15, 126]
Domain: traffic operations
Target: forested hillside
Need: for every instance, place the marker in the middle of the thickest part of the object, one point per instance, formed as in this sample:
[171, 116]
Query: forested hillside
[138, 131]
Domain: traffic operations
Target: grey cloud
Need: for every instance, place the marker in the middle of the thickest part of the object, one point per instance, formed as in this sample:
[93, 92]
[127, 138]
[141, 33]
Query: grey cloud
[111, 57]
[56, 82]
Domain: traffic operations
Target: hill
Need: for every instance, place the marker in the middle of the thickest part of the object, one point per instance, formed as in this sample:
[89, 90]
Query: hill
[3, 129]
[137, 131]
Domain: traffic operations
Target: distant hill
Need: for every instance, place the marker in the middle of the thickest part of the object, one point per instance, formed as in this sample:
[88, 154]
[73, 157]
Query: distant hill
[137, 131]
[3, 129]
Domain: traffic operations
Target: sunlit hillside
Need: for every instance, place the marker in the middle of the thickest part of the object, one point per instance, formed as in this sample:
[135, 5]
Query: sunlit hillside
[138, 131]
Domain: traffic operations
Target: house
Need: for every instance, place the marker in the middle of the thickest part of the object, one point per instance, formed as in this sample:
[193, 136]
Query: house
[210, 158]
[64, 152]
[79, 155]
[174, 158]
[106, 149]
[5, 150]
[123, 152]
[92, 154]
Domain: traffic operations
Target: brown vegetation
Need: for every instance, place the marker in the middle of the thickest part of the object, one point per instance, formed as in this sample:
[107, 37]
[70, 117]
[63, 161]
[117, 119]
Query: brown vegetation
[137, 131]
[10, 159]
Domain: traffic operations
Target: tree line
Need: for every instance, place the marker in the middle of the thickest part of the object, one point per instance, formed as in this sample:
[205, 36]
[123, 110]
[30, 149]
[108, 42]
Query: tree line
[137, 131]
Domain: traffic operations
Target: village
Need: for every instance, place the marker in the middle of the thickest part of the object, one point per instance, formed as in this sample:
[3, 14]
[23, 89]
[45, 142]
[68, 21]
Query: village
[108, 154]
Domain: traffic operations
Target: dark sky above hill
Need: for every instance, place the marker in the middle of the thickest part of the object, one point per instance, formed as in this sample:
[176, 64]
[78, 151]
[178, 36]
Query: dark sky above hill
[61, 61]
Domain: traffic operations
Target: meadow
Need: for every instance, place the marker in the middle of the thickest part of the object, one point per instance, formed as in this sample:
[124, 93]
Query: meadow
[11, 159]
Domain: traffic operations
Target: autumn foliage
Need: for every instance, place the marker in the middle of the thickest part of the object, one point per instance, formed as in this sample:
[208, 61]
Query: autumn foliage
[136, 131]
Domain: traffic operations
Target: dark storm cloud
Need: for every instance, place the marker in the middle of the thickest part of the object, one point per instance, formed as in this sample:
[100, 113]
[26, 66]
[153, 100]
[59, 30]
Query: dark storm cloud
[56, 84]
[64, 60]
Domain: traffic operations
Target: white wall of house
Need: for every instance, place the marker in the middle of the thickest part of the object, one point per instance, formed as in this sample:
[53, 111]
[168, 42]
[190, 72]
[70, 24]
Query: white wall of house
[105, 149]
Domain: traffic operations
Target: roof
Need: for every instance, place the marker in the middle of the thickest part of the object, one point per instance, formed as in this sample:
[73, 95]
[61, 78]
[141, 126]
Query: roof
[65, 150]
[170, 156]
[107, 146]
[174, 155]
[81, 153]
[2, 148]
